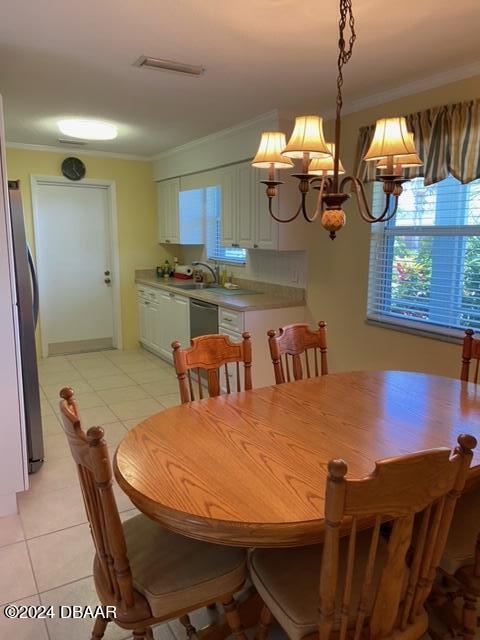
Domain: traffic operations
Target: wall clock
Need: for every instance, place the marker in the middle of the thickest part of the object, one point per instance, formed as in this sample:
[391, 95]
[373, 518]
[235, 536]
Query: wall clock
[73, 168]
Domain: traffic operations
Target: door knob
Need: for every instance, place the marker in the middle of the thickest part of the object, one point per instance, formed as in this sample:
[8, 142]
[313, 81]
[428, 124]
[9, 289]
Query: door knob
[107, 272]
[107, 280]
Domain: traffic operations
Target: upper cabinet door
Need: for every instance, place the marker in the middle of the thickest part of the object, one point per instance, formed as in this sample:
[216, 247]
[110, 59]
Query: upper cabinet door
[162, 206]
[173, 230]
[180, 219]
[246, 206]
[266, 229]
[228, 186]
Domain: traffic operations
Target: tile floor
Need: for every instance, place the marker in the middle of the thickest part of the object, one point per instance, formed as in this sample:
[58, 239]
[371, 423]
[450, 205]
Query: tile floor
[46, 551]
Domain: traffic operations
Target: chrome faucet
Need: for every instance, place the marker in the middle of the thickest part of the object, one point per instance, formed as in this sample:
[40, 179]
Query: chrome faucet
[215, 272]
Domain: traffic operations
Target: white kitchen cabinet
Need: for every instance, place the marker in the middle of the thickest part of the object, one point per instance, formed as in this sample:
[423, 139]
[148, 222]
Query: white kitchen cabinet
[245, 218]
[148, 318]
[162, 318]
[174, 322]
[257, 322]
[226, 179]
[179, 221]
[246, 212]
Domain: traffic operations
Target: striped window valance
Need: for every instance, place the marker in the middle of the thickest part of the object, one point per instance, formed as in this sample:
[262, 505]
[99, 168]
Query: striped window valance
[447, 140]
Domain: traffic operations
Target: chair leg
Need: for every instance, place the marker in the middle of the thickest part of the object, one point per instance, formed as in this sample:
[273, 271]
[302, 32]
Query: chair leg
[266, 619]
[233, 618]
[99, 628]
[469, 616]
[189, 628]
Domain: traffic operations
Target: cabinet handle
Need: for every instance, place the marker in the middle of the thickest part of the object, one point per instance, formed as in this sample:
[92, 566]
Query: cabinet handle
[255, 246]
[226, 320]
[167, 240]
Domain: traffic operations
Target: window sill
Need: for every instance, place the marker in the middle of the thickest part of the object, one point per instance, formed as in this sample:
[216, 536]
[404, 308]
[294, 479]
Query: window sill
[230, 263]
[444, 335]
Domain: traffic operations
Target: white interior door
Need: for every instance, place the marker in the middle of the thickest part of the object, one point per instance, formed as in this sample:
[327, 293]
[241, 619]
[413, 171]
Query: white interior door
[73, 246]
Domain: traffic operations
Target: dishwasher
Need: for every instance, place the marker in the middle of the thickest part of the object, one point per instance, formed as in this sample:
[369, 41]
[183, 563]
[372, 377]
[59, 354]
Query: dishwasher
[203, 318]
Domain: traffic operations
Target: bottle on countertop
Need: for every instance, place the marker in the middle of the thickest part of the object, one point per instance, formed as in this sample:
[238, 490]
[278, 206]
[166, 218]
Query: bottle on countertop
[223, 277]
[166, 269]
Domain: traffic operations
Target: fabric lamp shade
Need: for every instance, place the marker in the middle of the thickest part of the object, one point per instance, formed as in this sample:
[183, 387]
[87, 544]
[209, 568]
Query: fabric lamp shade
[307, 137]
[324, 166]
[391, 138]
[270, 152]
[410, 160]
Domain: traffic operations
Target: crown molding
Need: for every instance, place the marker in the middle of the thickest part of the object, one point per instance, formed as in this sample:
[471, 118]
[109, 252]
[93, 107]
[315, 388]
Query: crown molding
[223, 133]
[411, 88]
[80, 151]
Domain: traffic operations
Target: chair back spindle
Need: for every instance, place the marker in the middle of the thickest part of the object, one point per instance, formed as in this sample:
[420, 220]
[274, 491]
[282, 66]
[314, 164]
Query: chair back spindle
[471, 351]
[297, 352]
[416, 495]
[217, 357]
[94, 468]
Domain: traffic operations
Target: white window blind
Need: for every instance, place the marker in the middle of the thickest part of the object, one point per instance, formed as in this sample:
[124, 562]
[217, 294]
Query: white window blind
[215, 251]
[425, 262]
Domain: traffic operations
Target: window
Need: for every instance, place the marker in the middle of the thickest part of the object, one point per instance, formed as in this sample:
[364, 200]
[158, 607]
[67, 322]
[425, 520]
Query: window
[425, 262]
[214, 249]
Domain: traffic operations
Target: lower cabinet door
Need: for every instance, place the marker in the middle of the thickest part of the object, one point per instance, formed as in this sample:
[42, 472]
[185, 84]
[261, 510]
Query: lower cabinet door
[142, 322]
[165, 324]
[154, 326]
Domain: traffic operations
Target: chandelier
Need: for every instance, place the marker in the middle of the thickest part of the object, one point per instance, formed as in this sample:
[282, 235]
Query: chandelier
[392, 148]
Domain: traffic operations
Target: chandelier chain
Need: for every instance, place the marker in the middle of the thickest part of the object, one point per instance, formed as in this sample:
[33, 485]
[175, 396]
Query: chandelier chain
[344, 55]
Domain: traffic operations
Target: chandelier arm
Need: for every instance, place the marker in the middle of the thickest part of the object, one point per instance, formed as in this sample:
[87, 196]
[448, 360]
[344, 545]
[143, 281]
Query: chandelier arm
[388, 217]
[295, 215]
[319, 206]
[362, 201]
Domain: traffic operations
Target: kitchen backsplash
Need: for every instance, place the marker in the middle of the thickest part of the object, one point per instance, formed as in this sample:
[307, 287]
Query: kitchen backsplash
[278, 267]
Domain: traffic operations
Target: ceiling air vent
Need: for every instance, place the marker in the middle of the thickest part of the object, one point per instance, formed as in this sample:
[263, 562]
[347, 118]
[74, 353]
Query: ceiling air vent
[77, 143]
[169, 65]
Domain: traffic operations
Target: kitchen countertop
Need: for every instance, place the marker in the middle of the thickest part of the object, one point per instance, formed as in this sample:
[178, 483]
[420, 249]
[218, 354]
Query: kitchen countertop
[238, 302]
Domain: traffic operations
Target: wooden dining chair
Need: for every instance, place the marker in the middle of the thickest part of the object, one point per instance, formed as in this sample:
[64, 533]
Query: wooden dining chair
[299, 343]
[213, 354]
[372, 586]
[460, 564]
[148, 573]
[470, 351]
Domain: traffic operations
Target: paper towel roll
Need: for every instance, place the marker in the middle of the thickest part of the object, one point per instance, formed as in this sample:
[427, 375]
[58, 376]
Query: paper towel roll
[184, 269]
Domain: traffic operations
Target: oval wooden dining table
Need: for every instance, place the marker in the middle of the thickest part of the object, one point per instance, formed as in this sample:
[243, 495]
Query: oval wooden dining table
[249, 469]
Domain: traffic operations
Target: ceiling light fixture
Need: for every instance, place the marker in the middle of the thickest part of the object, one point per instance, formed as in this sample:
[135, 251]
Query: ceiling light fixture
[169, 65]
[87, 129]
[392, 148]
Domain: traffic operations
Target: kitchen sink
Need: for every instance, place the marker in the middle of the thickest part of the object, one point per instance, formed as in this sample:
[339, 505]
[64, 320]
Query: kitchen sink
[213, 288]
[195, 285]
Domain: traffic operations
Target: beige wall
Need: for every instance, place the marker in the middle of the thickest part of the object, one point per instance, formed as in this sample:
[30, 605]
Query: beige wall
[136, 210]
[338, 270]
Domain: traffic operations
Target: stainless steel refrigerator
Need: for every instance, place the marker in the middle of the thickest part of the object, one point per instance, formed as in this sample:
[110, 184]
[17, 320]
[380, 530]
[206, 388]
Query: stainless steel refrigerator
[27, 303]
